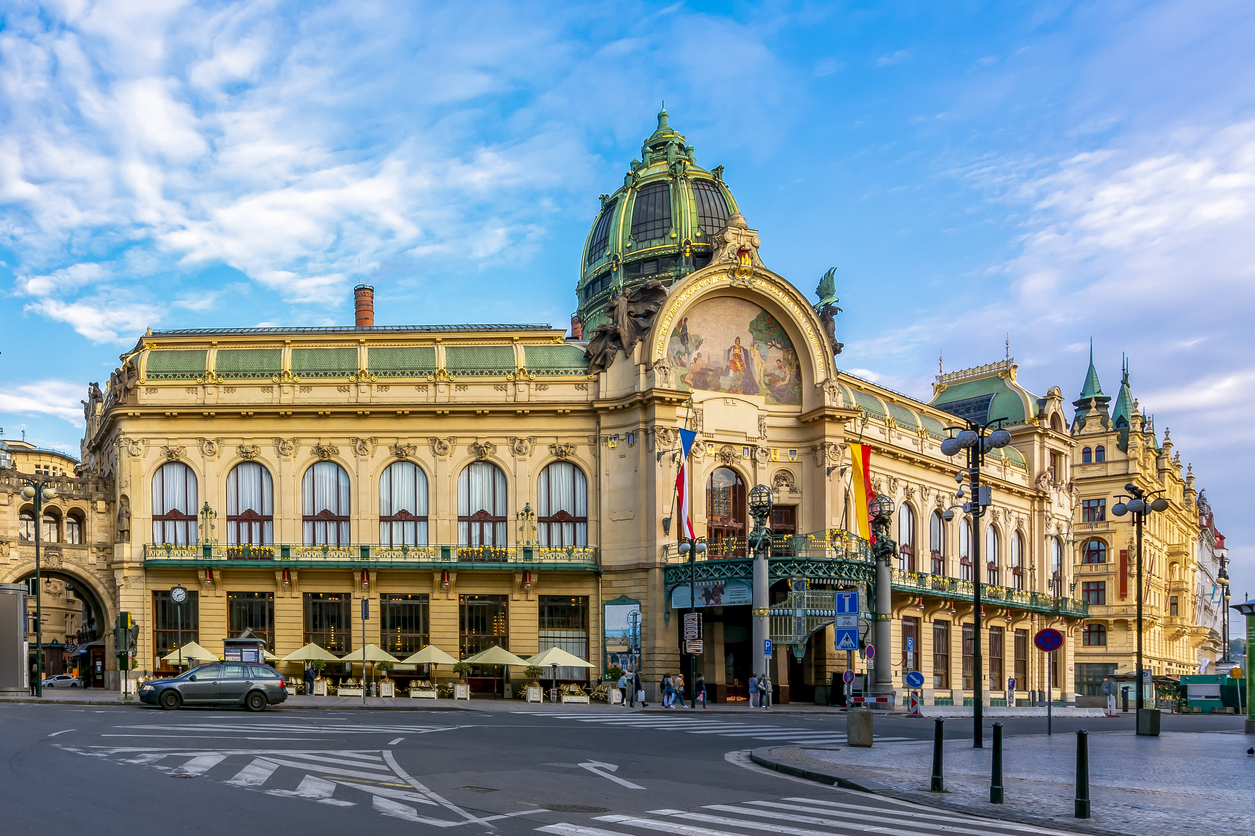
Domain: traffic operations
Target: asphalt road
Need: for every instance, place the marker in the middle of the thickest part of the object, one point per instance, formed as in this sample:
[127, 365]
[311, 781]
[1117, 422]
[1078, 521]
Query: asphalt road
[129, 770]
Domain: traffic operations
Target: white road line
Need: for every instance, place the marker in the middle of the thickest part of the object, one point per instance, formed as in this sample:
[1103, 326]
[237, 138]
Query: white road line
[576, 830]
[330, 757]
[199, 765]
[255, 774]
[388, 792]
[63, 731]
[314, 789]
[604, 770]
[673, 827]
[868, 816]
[202, 736]
[395, 741]
[912, 813]
[416, 784]
[328, 769]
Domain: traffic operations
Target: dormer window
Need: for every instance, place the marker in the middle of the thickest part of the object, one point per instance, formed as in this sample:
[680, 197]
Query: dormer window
[1087, 456]
[1100, 453]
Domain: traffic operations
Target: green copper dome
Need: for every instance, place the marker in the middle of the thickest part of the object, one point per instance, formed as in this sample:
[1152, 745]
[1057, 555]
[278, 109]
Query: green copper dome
[659, 225]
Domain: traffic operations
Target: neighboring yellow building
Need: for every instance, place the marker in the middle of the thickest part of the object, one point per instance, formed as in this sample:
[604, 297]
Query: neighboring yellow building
[506, 484]
[1118, 446]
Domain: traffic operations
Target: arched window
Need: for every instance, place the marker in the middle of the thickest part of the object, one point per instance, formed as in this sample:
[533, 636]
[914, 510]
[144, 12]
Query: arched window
[562, 505]
[73, 528]
[1094, 635]
[325, 505]
[250, 505]
[51, 528]
[1087, 455]
[937, 543]
[482, 505]
[992, 556]
[725, 513]
[965, 550]
[1094, 551]
[26, 526]
[1056, 422]
[906, 538]
[1100, 453]
[1017, 560]
[174, 505]
[403, 505]
[1056, 566]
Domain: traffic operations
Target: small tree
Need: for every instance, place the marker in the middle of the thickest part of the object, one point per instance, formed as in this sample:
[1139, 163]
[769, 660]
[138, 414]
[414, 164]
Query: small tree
[319, 666]
[384, 667]
[462, 669]
[533, 673]
[614, 672]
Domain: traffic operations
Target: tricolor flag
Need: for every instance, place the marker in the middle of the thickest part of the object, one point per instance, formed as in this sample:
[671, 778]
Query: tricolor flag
[861, 455]
[687, 437]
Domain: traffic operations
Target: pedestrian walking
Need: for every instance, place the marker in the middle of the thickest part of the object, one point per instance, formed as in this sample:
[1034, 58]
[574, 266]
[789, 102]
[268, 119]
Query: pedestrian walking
[700, 691]
[753, 690]
[638, 689]
[623, 686]
[34, 679]
[668, 691]
[309, 679]
[678, 684]
[764, 697]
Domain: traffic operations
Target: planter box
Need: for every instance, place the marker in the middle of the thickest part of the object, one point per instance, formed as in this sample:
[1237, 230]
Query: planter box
[616, 697]
[422, 695]
[320, 687]
[291, 689]
[387, 688]
[462, 691]
[574, 699]
[533, 693]
[349, 692]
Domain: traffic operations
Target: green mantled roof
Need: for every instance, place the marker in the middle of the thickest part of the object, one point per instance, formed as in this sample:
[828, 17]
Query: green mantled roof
[984, 399]
[245, 363]
[555, 359]
[1123, 411]
[324, 362]
[402, 361]
[175, 365]
[475, 360]
[1092, 388]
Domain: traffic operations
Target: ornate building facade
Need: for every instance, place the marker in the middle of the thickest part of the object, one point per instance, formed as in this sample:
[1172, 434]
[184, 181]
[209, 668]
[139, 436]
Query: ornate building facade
[511, 485]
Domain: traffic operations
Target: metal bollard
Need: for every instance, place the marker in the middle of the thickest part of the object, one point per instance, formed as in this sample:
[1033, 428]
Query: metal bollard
[1082, 775]
[995, 784]
[938, 729]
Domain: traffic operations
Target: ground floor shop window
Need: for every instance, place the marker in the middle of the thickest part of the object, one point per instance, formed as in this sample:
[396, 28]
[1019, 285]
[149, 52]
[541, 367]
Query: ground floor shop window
[910, 642]
[1089, 678]
[483, 622]
[995, 658]
[328, 621]
[172, 623]
[252, 611]
[941, 654]
[563, 623]
[969, 646]
[404, 623]
[1021, 658]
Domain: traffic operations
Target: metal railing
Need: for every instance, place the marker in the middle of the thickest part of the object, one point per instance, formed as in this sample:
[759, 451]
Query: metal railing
[371, 554]
[833, 543]
[922, 583]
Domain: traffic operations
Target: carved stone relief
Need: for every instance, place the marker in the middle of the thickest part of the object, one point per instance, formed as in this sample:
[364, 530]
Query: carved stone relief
[122, 530]
[363, 448]
[762, 427]
[325, 451]
[481, 451]
[826, 453]
[248, 452]
[442, 446]
[662, 372]
[521, 447]
[287, 447]
[210, 447]
[404, 451]
[784, 480]
[562, 451]
[727, 456]
[173, 454]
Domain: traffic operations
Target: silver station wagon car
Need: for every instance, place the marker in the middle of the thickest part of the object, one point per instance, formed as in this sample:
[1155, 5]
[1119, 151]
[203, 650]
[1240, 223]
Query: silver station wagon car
[249, 684]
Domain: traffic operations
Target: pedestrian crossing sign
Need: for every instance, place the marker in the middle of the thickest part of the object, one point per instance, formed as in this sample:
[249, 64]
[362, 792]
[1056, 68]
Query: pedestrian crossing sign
[847, 639]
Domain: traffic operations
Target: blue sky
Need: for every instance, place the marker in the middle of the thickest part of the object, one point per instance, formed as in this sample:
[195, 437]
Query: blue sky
[1045, 172]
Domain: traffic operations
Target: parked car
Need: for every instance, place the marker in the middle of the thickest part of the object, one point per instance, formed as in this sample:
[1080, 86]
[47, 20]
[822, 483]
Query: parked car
[63, 680]
[251, 685]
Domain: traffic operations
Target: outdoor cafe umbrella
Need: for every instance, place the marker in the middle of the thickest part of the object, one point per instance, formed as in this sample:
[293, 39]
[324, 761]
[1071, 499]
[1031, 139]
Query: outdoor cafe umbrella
[191, 652]
[495, 655]
[311, 653]
[430, 655]
[557, 656]
[370, 653]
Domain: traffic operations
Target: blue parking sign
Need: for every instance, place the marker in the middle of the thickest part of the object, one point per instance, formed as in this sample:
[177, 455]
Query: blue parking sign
[767, 647]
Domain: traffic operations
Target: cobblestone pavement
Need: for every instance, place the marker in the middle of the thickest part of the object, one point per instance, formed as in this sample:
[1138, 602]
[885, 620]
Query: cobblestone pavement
[1200, 784]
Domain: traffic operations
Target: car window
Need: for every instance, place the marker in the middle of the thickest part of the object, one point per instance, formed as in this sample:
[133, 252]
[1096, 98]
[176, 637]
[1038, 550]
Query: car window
[233, 672]
[206, 673]
[264, 673]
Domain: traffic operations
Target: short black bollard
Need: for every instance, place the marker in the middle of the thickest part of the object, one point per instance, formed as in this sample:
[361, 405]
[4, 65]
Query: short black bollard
[938, 730]
[995, 784]
[1082, 775]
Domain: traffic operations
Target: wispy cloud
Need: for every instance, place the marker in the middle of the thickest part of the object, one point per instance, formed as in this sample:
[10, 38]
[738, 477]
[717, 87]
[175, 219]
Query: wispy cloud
[53, 397]
[889, 59]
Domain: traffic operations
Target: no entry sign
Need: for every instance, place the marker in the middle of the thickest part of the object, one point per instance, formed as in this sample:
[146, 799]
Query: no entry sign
[1048, 641]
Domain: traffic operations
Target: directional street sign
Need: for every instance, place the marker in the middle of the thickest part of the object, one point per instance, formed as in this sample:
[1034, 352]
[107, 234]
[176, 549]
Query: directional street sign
[915, 679]
[848, 676]
[692, 625]
[847, 638]
[846, 621]
[1048, 640]
[847, 603]
[1011, 683]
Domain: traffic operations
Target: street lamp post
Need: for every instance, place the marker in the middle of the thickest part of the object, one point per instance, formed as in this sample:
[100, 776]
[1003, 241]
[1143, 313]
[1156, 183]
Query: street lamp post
[1247, 608]
[1222, 580]
[692, 548]
[1140, 505]
[977, 439]
[880, 509]
[178, 595]
[38, 492]
[760, 504]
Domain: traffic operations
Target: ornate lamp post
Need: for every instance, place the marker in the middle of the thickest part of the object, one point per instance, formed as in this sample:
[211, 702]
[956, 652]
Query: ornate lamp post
[760, 504]
[977, 439]
[692, 548]
[1140, 505]
[39, 492]
[884, 549]
[1222, 580]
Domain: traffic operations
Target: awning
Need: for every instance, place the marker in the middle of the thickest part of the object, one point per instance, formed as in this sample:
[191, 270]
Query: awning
[558, 656]
[495, 656]
[430, 655]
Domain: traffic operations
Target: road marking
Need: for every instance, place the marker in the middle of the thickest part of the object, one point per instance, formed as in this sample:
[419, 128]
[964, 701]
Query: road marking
[597, 767]
[911, 813]
[845, 822]
[395, 741]
[413, 782]
[63, 731]
[575, 830]
[255, 774]
[673, 827]
[199, 765]
[314, 789]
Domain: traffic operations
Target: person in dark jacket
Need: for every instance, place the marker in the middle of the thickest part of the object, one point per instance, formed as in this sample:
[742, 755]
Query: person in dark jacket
[700, 692]
[638, 687]
[309, 679]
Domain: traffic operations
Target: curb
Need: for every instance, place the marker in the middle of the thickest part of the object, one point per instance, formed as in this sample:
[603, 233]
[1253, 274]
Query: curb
[281, 706]
[763, 757]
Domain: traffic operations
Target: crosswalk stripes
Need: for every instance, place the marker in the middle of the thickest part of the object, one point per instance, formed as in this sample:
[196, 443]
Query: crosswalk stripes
[722, 728]
[798, 817]
[259, 731]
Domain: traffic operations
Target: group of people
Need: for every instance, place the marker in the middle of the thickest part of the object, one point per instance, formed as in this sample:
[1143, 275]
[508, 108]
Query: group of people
[632, 690]
[760, 696]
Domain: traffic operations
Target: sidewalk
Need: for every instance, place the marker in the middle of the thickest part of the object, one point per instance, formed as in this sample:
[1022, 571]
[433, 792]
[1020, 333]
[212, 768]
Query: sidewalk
[1188, 783]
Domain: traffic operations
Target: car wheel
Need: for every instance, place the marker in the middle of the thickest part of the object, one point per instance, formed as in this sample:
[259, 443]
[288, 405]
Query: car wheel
[170, 699]
[255, 701]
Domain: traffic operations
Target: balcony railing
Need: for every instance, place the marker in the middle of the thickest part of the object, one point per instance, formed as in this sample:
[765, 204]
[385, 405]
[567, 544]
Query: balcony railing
[922, 583]
[373, 555]
[834, 543]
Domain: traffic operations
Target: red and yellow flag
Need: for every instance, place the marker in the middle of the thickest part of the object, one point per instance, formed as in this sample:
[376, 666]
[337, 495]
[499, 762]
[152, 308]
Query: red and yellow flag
[860, 455]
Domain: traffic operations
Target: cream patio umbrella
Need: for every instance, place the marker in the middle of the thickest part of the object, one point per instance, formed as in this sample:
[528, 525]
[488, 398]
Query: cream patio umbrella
[556, 656]
[430, 655]
[311, 653]
[190, 652]
[370, 653]
[495, 655]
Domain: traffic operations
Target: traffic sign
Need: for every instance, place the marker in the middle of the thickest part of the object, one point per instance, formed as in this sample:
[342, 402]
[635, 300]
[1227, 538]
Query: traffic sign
[1109, 688]
[848, 676]
[1011, 683]
[847, 638]
[846, 621]
[870, 652]
[910, 644]
[693, 647]
[1048, 640]
[915, 679]
[692, 625]
[767, 647]
[847, 603]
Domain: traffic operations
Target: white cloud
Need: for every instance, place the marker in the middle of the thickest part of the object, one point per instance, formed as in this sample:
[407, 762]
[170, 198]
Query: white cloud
[57, 398]
[889, 59]
[100, 320]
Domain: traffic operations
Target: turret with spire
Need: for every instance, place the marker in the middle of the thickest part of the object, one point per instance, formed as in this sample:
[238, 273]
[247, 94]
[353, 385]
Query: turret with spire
[1092, 400]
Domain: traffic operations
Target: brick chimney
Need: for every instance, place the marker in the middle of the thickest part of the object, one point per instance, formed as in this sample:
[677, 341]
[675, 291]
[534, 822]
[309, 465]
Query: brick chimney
[577, 328]
[364, 304]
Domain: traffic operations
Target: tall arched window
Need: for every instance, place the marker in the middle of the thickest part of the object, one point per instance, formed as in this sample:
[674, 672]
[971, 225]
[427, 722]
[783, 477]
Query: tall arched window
[73, 528]
[52, 528]
[26, 526]
[992, 557]
[1094, 551]
[174, 504]
[906, 538]
[937, 543]
[1017, 560]
[250, 505]
[482, 505]
[965, 550]
[1100, 453]
[325, 505]
[562, 505]
[1087, 455]
[403, 505]
[725, 513]
[1056, 566]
